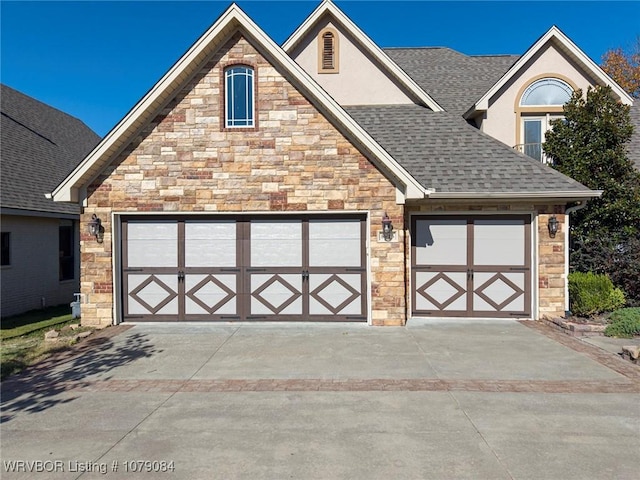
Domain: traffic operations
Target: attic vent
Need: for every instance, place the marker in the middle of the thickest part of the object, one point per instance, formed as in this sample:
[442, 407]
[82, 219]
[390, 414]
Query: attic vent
[328, 52]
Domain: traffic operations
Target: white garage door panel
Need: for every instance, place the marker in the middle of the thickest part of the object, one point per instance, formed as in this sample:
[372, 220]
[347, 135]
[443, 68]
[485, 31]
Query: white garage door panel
[441, 242]
[210, 244]
[498, 242]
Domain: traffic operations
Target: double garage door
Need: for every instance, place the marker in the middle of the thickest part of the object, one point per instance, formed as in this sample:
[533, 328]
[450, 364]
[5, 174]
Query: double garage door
[302, 268]
[472, 266]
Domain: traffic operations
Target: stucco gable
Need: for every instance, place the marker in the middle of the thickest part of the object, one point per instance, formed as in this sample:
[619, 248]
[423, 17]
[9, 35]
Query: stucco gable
[231, 22]
[552, 41]
[360, 58]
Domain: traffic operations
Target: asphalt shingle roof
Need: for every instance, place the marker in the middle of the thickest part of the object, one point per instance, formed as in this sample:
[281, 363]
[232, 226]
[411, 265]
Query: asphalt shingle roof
[39, 146]
[440, 150]
[453, 79]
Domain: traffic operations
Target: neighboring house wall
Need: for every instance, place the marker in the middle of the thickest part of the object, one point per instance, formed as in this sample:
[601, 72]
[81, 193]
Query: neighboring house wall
[32, 281]
[501, 120]
[295, 161]
[359, 80]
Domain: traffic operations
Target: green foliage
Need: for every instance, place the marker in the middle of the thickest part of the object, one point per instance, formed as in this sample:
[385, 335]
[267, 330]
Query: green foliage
[619, 259]
[591, 293]
[589, 145]
[624, 323]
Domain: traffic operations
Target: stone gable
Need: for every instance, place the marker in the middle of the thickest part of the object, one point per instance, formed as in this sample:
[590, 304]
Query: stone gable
[295, 161]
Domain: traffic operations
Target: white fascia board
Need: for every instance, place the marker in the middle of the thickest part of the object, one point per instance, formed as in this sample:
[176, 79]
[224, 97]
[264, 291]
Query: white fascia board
[559, 195]
[552, 33]
[328, 7]
[68, 190]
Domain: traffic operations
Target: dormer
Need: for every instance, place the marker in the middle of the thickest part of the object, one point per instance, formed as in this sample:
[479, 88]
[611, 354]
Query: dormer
[348, 64]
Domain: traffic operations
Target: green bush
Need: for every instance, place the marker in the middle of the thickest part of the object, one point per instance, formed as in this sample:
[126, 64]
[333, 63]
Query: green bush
[591, 293]
[624, 323]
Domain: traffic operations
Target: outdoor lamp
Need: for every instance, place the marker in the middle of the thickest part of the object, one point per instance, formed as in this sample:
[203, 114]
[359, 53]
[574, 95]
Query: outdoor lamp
[387, 228]
[95, 228]
[553, 226]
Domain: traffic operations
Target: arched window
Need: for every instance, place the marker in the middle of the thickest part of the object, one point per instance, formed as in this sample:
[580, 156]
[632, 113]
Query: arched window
[328, 51]
[540, 103]
[547, 91]
[239, 96]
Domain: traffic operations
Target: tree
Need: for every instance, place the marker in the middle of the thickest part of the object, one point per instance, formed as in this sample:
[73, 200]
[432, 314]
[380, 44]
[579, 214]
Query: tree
[624, 68]
[589, 145]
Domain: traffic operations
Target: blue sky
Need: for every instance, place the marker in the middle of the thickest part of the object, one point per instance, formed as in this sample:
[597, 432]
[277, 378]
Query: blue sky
[96, 59]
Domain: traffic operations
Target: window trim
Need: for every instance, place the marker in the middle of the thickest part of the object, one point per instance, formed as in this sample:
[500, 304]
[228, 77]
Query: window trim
[224, 100]
[71, 259]
[335, 53]
[549, 112]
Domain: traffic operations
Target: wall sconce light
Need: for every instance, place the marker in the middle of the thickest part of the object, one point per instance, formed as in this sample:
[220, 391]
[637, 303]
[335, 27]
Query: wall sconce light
[553, 226]
[387, 228]
[95, 228]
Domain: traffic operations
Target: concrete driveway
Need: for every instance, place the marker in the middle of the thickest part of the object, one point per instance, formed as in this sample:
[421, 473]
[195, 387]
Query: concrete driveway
[440, 400]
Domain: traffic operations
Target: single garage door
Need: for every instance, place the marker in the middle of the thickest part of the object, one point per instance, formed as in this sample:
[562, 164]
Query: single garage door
[472, 266]
[244, 268]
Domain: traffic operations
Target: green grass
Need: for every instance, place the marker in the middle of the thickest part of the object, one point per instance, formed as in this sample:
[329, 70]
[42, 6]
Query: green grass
[23, 341]
[33, 321]
[625, 323]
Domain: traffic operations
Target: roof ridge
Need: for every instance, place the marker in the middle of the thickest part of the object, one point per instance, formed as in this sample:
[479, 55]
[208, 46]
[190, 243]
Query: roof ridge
[28, 128]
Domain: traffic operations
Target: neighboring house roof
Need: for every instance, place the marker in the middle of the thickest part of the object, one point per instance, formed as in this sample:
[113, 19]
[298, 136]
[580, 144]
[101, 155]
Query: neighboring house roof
[633, 147]
[443, 151]
[39, 146]
[563, 42]
[453, 79]
[328, 8]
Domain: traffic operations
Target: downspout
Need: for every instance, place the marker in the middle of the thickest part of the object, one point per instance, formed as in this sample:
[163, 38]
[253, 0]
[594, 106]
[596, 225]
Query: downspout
[568, 211]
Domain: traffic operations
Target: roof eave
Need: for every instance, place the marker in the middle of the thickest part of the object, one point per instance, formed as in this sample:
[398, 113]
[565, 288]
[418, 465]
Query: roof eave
[553, 33]
[564, 196]
[231, 20]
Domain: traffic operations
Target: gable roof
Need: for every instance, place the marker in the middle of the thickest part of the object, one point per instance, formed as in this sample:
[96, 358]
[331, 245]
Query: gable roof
[328, 8]
[443, 151]
[40, 146]
[73, 187]
[563, 42]
[453, 79]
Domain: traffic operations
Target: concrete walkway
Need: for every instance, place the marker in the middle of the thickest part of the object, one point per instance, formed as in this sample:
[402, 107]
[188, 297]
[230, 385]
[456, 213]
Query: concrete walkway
[448, 400]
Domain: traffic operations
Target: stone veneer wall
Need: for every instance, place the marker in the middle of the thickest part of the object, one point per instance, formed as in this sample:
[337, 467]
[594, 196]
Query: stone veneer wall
[184, 161]
[549, 251]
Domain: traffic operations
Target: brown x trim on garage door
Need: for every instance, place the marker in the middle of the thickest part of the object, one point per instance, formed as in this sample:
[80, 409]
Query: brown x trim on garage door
[471, 266]
[296, 268]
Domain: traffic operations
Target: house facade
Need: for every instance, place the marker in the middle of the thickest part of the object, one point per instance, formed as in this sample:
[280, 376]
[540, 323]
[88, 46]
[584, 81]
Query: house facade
[40, 242]
[257, 182]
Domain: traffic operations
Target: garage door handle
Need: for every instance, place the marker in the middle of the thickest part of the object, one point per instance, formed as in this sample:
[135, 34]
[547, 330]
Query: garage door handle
[305, 275]
[180, 276]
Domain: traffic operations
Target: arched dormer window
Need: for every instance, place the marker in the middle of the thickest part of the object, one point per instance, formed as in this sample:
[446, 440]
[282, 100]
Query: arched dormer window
[546, 91]
[537, 106]
[328, 51]
[239, 98]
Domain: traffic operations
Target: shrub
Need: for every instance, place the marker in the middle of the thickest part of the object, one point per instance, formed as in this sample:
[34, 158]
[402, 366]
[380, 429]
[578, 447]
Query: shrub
[591, 293]
[618, 258]
[624, 323]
